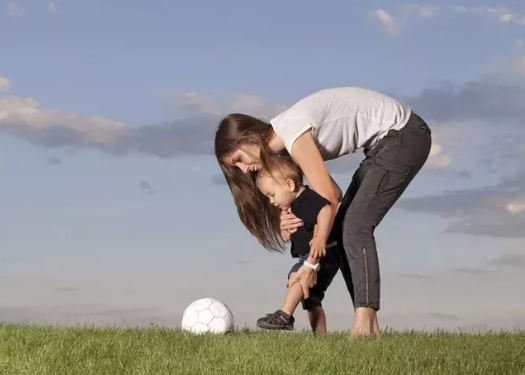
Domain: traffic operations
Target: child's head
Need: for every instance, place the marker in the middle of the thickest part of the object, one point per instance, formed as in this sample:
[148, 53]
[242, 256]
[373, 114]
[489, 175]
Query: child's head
[281, 182]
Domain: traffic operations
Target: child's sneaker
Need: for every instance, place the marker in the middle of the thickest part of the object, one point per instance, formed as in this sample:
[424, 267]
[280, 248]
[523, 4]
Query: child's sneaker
[277, 320]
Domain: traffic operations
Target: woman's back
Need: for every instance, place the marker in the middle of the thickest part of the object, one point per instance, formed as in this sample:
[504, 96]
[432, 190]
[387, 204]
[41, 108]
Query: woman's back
[342, 119]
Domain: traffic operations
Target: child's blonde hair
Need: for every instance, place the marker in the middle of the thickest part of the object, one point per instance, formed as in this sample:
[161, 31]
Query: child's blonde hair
[283, 167]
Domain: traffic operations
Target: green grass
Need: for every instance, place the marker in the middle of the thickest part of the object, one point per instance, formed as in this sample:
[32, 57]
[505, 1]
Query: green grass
[85, 350]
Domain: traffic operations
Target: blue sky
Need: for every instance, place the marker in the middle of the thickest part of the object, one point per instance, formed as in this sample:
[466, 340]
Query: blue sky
[111, 207]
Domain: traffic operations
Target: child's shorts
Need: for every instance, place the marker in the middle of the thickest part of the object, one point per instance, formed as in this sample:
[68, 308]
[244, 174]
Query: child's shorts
[329, 266]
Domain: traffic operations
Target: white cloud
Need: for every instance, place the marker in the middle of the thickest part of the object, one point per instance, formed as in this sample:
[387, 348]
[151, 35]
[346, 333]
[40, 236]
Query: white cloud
[508, 69]
[193, 103]
[52, 7]
[14, 10]
[408, 12]
[516, 206]
[255, 105]
[25, 114]
[5, 84]
[420, 11]
[392, 25]
[24, 118]
[387, 21]
[502, 14]
[436, 158]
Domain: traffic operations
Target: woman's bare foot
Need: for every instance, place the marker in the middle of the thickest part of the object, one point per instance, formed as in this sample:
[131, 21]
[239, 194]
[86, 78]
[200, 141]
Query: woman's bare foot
[365, 322]
[377, 332]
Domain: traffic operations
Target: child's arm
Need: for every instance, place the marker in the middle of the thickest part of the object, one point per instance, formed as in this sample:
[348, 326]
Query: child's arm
[321, 232]
[318, 244]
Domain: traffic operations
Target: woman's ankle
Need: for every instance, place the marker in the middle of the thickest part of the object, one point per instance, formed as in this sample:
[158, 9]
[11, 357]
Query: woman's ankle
[365, 322]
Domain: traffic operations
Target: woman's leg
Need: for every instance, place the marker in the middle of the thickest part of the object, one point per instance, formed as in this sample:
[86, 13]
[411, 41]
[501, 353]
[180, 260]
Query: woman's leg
[377, 184]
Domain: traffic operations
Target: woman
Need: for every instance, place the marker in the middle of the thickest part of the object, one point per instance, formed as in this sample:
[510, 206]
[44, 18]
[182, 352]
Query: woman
[324, 126]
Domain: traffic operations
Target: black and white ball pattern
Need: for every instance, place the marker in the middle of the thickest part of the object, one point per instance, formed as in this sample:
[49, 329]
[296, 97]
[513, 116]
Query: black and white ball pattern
[207, 315]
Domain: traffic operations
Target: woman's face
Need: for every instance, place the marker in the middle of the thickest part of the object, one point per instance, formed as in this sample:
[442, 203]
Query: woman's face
[246, 158]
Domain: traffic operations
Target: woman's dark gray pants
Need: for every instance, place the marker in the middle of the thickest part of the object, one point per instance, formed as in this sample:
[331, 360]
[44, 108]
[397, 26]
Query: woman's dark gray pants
[384, 174]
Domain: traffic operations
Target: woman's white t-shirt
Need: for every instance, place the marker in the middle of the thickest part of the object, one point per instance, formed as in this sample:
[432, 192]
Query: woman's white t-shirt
[342, 120]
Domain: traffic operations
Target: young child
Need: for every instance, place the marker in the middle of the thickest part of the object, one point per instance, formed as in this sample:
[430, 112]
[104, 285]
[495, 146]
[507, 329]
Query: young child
[283, 185]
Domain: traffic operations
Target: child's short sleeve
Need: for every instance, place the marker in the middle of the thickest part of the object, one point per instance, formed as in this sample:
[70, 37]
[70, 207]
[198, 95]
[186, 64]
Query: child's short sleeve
[308, 205]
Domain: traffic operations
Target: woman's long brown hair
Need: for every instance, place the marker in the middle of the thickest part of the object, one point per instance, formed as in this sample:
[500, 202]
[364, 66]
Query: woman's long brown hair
[255, 211]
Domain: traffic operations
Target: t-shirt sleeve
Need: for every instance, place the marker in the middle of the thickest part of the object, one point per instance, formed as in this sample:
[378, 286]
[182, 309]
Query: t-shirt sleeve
[311, 206]
[290, 128]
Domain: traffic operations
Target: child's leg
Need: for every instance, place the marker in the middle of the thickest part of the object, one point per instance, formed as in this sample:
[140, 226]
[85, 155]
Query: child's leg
[329, 268]
[294, 295]
[317, 319]
[283, 318]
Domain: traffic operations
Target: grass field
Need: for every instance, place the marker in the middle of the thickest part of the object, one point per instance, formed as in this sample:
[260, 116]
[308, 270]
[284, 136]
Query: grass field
[85, 350]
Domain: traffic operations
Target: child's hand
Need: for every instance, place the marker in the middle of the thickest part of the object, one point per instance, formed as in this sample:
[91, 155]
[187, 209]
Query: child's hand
[317, 248]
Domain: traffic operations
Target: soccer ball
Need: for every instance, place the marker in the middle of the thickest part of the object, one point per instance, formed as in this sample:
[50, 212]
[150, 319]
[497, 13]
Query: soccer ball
[207, 315]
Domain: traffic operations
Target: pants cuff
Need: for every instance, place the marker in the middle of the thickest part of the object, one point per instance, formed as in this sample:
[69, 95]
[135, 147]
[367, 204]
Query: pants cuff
[374, 306]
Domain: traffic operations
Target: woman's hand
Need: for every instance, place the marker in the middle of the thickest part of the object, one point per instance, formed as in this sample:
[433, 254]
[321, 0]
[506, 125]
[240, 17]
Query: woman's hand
[289, 224]
[307, 277]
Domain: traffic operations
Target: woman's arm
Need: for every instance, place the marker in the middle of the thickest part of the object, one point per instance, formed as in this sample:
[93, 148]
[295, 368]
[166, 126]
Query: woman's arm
[337, 189]
[308, 157]
[306, 154]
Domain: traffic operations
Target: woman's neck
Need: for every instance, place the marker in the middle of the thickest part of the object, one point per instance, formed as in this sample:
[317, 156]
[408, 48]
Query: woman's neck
[276, 144]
